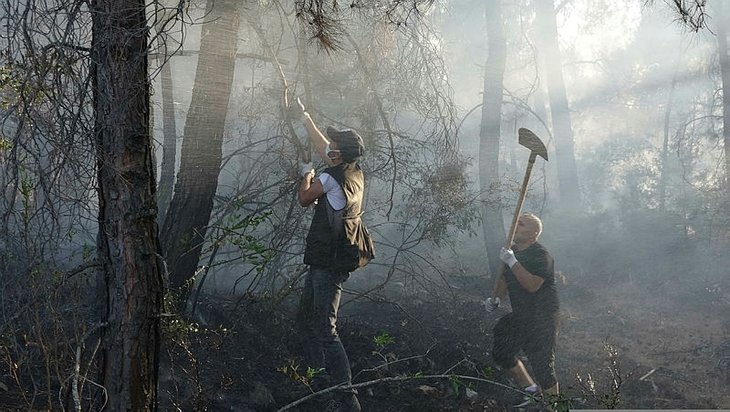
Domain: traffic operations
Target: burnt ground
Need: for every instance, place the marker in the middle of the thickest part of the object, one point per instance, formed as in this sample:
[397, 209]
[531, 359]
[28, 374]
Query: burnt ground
[623, 343]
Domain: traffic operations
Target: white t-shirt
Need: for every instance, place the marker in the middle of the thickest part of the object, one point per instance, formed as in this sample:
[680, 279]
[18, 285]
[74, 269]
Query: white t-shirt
[334, 192]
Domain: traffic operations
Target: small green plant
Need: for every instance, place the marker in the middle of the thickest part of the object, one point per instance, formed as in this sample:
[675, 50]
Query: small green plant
[10, 85]
[240, 232]
[5, 144]
[457, 384]
[383, 340]
[558, 403]
[312, 372]
[291, 370]
[174, 326]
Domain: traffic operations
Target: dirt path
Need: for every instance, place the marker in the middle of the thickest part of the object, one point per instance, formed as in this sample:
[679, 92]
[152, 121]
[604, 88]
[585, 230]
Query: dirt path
[679, 344]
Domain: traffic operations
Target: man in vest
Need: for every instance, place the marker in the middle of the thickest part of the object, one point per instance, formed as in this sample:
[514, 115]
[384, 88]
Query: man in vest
[337, 193]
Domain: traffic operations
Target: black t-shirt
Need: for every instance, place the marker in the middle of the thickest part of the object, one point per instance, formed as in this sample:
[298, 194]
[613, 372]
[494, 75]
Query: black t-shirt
[543, 304]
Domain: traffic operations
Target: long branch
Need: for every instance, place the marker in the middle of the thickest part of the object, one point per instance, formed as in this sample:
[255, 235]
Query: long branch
[391, 379]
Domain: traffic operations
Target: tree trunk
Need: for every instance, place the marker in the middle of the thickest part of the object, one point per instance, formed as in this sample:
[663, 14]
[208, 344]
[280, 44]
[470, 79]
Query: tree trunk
[664, 160]
[187, 218]
[127, 240]
[725, 74]
[169, 131]
[489, 134]
[547, 32]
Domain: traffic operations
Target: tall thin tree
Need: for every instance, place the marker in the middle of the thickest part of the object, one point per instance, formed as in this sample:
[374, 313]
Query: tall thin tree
[169, 129]
[183, 232]
[489, 133]
[547, 39]
[664, 159]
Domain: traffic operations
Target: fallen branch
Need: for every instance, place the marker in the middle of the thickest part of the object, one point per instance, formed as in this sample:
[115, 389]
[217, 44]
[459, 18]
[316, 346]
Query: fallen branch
[390, 379]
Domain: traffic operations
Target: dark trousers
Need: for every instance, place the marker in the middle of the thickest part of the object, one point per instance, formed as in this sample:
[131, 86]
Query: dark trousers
[317, 319]
[535, 338]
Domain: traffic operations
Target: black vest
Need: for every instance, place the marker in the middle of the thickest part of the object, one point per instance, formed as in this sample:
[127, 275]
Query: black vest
[319, 239]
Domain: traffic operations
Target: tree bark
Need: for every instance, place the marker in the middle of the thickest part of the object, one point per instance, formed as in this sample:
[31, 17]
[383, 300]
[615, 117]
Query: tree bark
[547, 32]
[128, 237]
[489, 134]
[185, 226]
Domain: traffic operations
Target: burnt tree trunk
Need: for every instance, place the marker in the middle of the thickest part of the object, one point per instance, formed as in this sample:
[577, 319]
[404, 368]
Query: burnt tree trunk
[489, 134]
[547, 32]
[128, 238]
[183, 232]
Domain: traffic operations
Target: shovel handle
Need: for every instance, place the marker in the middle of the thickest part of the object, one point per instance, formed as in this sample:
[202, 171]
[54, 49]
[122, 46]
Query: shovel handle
[520, 201]
[499, 284]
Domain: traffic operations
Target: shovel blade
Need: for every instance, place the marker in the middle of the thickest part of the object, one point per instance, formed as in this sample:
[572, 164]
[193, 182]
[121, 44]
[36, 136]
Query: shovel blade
[530, 140]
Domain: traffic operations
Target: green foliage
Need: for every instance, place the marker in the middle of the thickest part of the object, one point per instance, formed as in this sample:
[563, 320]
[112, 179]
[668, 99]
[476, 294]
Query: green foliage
[15, 87]
[488, 372]
[441, 201]
[9, 82]
[237, 230]
[174, 326]
[291, 370]
[383, 340]
[621, 172]
[180, 327]
[457, 384]
[558, 403]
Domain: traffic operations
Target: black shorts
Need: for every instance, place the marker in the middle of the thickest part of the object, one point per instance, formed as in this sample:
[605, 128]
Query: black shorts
[536, 339]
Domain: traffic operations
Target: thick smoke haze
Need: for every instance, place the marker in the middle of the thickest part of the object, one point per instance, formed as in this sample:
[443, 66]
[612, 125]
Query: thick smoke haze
[644, 95]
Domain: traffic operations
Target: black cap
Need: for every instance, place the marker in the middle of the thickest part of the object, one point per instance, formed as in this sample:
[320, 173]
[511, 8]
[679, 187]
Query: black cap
[349, 143]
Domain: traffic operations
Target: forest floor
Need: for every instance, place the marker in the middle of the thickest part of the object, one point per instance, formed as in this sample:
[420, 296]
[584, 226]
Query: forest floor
[622, 343]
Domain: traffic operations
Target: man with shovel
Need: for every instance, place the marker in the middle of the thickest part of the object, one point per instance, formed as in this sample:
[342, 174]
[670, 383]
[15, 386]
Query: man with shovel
[337, 191]
[529, 278]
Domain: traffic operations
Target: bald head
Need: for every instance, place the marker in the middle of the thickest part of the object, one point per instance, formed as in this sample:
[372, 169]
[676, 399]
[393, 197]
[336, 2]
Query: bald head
[533, 222]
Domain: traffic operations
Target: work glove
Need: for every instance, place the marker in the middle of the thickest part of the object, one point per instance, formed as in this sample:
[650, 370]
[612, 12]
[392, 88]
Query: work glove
[508, 257]
[491, 304]
[305, 168]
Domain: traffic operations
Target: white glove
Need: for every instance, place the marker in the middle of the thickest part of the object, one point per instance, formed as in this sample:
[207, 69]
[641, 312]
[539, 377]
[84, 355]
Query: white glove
[508, 256]
[305, 168]
[491, 304]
